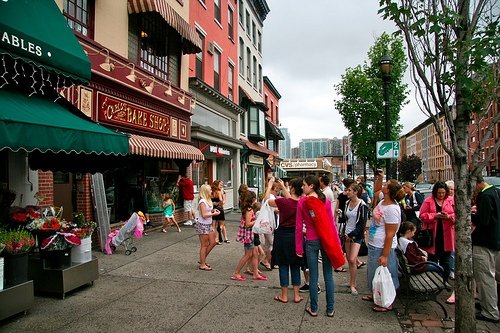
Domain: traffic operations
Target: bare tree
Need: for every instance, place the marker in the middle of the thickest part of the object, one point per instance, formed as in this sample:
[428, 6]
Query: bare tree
[453, 49]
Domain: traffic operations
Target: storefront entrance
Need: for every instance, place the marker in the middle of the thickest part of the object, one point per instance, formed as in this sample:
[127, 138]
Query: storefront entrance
[64, 193]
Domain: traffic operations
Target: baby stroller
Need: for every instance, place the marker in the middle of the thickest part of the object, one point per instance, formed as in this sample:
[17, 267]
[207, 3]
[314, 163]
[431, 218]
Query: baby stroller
[133, 227]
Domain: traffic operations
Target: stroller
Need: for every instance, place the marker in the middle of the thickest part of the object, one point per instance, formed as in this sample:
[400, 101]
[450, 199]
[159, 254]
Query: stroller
[133, 227]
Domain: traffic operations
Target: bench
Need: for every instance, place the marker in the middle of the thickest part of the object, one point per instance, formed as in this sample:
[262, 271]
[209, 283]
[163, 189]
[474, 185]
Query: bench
[420, 287]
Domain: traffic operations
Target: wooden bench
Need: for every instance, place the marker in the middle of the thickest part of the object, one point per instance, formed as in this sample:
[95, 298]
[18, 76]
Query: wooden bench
[420, 287]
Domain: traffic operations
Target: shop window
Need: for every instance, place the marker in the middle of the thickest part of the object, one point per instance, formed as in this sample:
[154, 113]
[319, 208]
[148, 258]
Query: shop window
[202, 174]
[254, 177]
[80, 16]
[224, 171]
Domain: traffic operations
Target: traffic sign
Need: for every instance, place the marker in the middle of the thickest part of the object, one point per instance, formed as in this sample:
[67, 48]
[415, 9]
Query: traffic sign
[387, 149]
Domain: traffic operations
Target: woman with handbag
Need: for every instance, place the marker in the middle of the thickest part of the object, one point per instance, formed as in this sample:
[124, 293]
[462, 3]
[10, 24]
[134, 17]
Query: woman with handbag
[284, 237]
[356, 213]
[438, 215]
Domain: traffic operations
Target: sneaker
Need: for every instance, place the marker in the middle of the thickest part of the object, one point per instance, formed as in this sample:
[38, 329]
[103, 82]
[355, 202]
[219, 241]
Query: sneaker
[319, 289]
[188, 222]
[304, 288]
[452, 275]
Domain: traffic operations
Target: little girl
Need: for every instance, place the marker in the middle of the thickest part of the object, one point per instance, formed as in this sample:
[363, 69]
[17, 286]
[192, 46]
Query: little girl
[168, 211]
[412, 252]
[245, 236]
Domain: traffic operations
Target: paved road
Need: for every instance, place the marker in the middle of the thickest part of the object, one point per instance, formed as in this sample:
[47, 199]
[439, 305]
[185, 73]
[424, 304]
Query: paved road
[160, 289]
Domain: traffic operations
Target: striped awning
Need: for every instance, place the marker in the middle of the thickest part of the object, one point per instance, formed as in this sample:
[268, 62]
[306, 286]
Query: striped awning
[145, 146]
[192, 41]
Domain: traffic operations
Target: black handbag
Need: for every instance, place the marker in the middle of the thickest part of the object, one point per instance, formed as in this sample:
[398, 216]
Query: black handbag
[424, 238]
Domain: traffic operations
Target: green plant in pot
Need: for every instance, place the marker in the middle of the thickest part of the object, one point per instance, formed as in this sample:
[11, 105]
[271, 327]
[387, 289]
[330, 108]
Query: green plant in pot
[16, 246]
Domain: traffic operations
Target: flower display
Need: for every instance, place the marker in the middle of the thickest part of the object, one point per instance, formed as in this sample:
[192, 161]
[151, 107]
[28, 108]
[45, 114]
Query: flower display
[60, 241]
[82, 229]
[25, 215]
[49, 220]
[16, 241]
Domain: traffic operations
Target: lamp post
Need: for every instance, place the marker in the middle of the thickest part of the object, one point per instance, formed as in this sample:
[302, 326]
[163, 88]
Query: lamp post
[385, 66]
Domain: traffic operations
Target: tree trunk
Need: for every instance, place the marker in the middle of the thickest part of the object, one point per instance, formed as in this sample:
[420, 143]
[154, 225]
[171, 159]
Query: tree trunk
[464, 286]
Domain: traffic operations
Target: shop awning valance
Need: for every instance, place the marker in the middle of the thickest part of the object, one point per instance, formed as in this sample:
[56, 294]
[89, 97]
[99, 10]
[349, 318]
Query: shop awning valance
[193, 43]
[258, 148]
[37, 32]
[38, 123]
[146, 146]
[272, 130]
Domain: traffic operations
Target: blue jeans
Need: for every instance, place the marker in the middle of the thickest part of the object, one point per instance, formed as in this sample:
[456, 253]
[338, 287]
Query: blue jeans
[295, 273]
[313, 247]
[392, 264]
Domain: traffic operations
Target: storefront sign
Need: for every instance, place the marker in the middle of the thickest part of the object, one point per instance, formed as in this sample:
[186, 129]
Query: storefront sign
[254, 159]
[299, 165]
[218, 151]
[114, 111]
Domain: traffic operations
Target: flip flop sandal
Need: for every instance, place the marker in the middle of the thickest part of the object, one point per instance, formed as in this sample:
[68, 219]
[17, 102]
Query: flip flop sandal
[450, 300]
[268, 266]
[238, 278]
[278, 299]
[381, 309]
[340, 270]
[363, 263]
[368, 298]
[312, 314]
[260, 278]
[206, 268]
[300, 300]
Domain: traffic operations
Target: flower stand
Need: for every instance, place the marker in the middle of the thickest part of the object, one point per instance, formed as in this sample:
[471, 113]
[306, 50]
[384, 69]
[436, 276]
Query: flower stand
[15, 269]
[16, 299]
[61, 280]
[56, 259]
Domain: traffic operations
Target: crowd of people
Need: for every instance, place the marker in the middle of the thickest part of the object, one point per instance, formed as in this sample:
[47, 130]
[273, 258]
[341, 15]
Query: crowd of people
[314, 220]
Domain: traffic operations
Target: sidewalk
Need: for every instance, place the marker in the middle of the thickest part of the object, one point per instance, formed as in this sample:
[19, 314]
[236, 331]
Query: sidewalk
[159, 288]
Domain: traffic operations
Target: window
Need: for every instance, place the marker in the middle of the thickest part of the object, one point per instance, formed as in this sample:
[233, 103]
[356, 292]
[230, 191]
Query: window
[224, 170]
[259, 41]
[240, 12]
[206, 117]
[254, 72]
[243, 123]
[79, 15]
[248, 22]
[199, 59]
[242, 57]
[254, 33]
[249, 63]
[230, 80]
[230, 25]
[256, 122]
[217, 70]
[260, 79]
[217, 13]
[160, 48]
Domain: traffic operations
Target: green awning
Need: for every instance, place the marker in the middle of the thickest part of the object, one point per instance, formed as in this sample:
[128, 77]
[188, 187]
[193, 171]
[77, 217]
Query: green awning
[38, 123]
[37, 32]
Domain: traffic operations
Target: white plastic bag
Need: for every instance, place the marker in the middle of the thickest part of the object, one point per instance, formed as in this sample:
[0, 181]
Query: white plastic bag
[384, 292]
[265, 222]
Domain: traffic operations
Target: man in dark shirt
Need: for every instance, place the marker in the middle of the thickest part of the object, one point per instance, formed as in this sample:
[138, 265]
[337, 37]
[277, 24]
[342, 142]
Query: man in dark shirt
[186, 189]
[485, 247]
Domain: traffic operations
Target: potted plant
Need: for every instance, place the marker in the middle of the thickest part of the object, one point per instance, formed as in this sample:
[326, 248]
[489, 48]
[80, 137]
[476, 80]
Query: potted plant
[16, 246]
[83, 230]
[55, 250]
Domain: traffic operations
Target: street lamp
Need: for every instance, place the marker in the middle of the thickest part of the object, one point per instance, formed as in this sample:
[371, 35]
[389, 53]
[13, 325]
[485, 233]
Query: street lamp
[385, 66]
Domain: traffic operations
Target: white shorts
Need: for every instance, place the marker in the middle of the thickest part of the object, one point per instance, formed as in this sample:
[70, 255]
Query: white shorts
[188, 205]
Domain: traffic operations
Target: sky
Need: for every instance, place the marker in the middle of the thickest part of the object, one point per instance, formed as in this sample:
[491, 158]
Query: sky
[307, 46]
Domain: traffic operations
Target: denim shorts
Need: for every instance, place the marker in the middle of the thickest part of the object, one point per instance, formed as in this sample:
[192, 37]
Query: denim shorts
[248, 246]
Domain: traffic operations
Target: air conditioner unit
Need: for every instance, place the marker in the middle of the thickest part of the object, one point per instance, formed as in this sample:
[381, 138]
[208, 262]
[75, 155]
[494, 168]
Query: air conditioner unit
[211, 48]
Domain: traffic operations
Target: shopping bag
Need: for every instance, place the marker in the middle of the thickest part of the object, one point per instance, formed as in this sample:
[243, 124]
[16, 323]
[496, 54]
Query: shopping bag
[384, 292]
[265, 223]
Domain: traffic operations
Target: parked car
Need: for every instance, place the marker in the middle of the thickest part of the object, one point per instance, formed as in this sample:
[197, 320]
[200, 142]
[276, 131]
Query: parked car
[495, 181]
